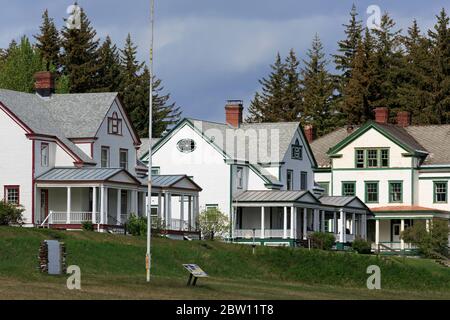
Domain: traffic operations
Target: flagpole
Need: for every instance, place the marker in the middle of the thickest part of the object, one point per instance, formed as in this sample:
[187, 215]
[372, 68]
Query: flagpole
[148, 257]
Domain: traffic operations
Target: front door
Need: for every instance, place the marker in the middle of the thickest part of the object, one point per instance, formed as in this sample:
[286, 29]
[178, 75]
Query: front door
[44, 203]
[396, 232]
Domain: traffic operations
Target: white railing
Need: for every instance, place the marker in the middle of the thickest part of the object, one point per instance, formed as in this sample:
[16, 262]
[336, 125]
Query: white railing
[177, 224]
[395, 245]
[55, 217]
[268, 233]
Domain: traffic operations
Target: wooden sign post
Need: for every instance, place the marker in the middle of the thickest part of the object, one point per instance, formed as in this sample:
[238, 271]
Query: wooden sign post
[195, 272]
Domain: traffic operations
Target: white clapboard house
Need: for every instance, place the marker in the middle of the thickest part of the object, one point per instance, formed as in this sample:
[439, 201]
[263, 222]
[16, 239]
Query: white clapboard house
[401, 171]
[260, 175]
[70, 158]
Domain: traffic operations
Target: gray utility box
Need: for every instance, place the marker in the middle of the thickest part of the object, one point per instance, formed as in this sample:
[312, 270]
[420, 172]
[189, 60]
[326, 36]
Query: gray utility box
[52, 257]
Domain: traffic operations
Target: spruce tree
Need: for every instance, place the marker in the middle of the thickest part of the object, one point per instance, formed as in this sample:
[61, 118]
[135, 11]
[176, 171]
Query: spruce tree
[267, 105]
[21, 63]
[292, 106]
[109, 69]
[80, 56]
[440, 68]
[318, 88]
[48, 42]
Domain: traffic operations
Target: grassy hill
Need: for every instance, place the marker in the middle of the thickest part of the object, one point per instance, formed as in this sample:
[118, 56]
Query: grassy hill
[113, 266]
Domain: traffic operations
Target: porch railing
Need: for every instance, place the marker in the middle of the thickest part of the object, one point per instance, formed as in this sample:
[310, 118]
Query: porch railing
[271, 233]
[75, 217]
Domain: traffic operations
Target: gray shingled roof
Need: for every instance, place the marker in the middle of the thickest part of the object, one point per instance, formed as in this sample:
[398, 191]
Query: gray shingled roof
[336, 201]
[244, 151]
[434, 139]
[79, 174]
[269, 196]
[167, 181]
[35, 113]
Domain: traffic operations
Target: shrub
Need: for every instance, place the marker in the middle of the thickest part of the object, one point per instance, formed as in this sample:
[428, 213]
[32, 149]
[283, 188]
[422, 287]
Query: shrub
[10, 213]
[213, 223]
[361, 246]
[158, 226]
[322, 240]
[137, 226]
[429, 242]
[87, 226]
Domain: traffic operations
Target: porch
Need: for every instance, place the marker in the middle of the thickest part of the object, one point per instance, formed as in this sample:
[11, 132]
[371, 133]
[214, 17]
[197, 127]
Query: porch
[285, 217]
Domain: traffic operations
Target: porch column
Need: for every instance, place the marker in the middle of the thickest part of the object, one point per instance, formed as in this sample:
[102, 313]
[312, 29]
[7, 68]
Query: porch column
[353, 224]
[322, 221]
[182, 212]
[284, 222]
[69, 204]
[402, 228]
[166, 209]
[364, 226]
[427, 225]
[335, 223]
[292, 222]
[262, 223]
[119, 206]
[305, 222]
[377, 232]
[190, 204]
[94, 205]
[102, 204]
[342, 237]
[159, 204]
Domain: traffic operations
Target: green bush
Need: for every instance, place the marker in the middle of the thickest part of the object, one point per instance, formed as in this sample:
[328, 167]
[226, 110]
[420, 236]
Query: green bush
[137, 226]
[87, 226]
[430, 242]
[361, 246]
[10, 213]
[322, 240]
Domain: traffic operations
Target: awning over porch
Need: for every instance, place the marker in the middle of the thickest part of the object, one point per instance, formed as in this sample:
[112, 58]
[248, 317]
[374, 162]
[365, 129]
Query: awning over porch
[87, 175]
[408, 212]
[275, 196]
[171, 182]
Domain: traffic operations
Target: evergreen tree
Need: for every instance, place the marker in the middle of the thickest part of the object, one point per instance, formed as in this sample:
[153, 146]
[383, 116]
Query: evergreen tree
[440, 68]
[109, 69]
[318, 87]
[21, 63]
[292, 106]
[164, 114]
[386, 65]
[356, 93]
[267, 105]
[347, 47]
[80, 56]
[48, 42]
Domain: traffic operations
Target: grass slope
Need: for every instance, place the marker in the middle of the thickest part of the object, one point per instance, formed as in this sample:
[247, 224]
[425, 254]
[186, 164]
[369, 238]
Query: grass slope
[112, 266]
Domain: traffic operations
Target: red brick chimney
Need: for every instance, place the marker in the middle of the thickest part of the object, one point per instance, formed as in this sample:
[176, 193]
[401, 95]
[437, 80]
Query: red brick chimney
[309, 132]
[381, 115]
[403, 118]
[233, 112]
[44, 83]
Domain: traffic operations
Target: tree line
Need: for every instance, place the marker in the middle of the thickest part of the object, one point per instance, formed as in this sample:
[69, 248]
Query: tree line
[381, 67]
[83, 64]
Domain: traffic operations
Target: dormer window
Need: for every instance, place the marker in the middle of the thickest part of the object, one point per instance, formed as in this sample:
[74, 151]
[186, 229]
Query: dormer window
[114, 124]
[297, 150]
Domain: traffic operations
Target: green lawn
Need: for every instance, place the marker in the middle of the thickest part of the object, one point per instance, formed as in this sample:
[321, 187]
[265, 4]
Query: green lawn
[113, 266]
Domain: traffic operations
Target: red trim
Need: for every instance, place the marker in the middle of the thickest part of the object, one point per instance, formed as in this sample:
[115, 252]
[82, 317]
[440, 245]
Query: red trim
[12, 187]
[33, 182]
[15, 118]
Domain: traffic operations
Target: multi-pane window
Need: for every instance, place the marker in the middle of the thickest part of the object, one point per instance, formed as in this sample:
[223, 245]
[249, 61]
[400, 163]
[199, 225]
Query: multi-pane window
[239, 177]
[372, 158]
[105, 157]
[289, 179]
[326, 187]
[155, 171]
[114, 124]
[440, 191]
[395, 191]
[123, 159]
[303, 180]
[371, 191]
[359, 155]
[44, 154]
[348, 188]
[12, 194]
[297, 151]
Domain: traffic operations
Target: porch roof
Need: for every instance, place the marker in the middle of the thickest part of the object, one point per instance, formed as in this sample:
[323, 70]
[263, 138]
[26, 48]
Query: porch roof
[343, 201]
[74, 175]
[275, 196]
[171, 181]
[392, 212]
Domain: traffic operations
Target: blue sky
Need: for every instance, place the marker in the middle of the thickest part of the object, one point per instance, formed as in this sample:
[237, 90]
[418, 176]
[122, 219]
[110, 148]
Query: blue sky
[208, 51]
